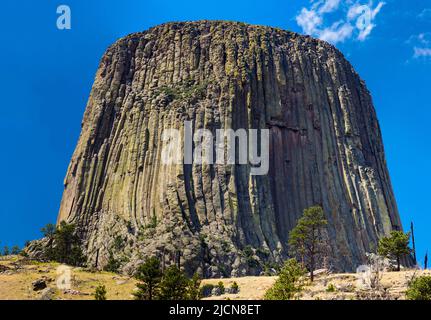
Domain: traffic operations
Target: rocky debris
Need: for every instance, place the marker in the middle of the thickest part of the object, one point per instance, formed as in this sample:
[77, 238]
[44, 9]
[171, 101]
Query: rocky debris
[325, 148]
[39, 284]
[3, 268]
[319, 272]
[12, 268]
[46, 294]
[231, 290]
[216, 291]
[347, 287]
[375, 295]
[43, 271]
[36, 249]
[75, 292]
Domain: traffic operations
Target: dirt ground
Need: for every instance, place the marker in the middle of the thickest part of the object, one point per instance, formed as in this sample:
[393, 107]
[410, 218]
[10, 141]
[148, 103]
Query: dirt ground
[68, 283]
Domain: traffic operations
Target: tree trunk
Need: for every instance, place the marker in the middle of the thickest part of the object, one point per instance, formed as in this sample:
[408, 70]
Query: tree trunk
[312, 268]
[413, 243]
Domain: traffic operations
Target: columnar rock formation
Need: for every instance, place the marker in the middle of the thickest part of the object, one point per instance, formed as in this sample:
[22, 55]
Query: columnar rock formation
[325, 148]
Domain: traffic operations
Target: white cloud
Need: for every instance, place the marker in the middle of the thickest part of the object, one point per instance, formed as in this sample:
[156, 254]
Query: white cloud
[355, 10]
[426, 13]
[378, 8]
[422, 52]
[421, 45]
[338, 32]
[329, 6]
[358, 22]
[424, 38]
[309, 20]
[363, 34]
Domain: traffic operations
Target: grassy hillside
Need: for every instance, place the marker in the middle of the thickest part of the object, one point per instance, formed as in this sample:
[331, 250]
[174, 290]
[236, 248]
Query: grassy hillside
[17, 275]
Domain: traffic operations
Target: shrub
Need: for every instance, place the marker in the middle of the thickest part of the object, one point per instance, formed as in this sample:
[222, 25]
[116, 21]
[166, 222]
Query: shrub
[206, 290]
[193, 287]
[263, 253]
[289, 283]
[234, 288]
[330, 288]
[100, 293]
[419, 289]
[118, 243]
[248, 251]
[113, 264]
[220, 285]
[249, 256]
[153, 223]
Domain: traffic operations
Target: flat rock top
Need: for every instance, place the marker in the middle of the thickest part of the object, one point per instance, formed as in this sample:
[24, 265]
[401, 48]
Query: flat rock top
[206, 27]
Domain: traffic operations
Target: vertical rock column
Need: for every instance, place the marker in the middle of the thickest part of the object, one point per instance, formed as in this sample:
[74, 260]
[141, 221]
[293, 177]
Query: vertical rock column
[325, 148]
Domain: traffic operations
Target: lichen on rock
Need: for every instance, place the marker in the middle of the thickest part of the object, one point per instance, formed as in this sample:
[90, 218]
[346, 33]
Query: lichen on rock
[325, 148]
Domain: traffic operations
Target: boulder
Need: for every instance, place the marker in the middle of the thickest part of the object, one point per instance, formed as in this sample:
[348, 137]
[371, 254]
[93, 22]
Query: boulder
[39, 284]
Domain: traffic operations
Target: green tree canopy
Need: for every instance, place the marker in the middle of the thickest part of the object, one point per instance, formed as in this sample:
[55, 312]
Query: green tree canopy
[289, 283]
[419, 289]
[6, 251]
[395, 246]
[67, 244]
[64, 244]
[48, 230]
[174, 285]
[150, 275]
[15, 250]
[306, 240]
[193, 291]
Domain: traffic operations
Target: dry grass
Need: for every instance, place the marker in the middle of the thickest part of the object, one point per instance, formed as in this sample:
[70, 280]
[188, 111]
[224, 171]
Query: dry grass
[250, 288]
[15, 283]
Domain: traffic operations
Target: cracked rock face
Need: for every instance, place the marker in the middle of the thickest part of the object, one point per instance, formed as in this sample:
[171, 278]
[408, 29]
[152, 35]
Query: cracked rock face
[325, 148]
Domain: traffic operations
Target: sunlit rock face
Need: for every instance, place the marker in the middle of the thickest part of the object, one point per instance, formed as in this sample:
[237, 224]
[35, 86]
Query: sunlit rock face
[325, 148]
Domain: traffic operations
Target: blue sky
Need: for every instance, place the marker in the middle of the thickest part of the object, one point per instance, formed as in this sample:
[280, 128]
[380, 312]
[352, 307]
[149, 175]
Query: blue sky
[46, 77]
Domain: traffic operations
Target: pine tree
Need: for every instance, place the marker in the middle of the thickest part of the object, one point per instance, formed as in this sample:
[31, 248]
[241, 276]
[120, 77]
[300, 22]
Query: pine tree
[306, 240]
[65, 246]
[149, 275]
[15, 250]
[48, 230]
[395, 246]
[194, 288]
[174, 285]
